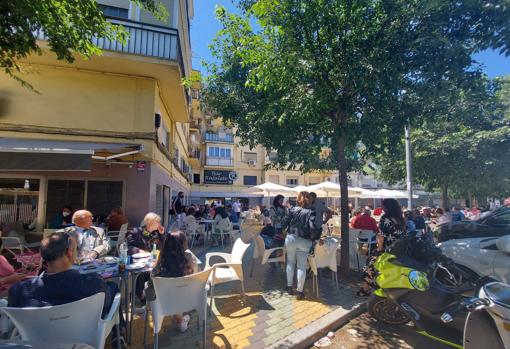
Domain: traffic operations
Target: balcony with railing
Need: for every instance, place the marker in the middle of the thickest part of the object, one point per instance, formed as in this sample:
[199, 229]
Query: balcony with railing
[195, 154]
[219, 137]
[216, 161]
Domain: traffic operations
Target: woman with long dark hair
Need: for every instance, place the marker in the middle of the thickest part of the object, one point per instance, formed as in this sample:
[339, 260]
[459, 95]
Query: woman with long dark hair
[278, 213]
[174, 261]
[300, 235]
[392, 227]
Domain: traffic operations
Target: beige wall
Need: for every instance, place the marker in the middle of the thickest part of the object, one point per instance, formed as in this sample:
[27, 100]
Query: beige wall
[70, 98]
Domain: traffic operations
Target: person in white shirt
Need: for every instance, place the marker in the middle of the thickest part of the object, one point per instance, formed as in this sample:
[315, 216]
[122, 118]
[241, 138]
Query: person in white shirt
[236, 207]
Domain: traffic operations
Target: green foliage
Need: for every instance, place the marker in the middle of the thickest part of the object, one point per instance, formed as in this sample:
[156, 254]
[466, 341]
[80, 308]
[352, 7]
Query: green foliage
[69, 25]
[344, 74]
[464, 147]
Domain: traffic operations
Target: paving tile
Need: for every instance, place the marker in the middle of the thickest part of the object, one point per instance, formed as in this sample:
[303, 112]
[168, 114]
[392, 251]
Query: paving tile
[268, 316]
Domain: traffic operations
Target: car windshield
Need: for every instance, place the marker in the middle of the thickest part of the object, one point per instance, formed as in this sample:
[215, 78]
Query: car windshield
[497, 212]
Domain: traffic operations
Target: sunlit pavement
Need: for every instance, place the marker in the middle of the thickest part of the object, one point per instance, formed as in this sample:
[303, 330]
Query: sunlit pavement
[268, 317]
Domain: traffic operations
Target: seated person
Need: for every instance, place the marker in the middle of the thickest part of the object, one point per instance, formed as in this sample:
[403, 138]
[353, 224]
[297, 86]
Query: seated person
[174, 261]
[190, 217]
[143, 238]
[116, 219]
[365, 221]
[8, 276]
[63, 219]
[92, 241]
[201, 213]
[59, 284]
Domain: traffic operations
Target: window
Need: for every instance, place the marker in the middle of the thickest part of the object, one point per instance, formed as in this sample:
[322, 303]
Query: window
[64, 193]
[102, 196]
[274, 179]
[218, 152]
[249, 156]
[292, 181]
[273, 156]
[18, 200]
[195, 94]
[250, 180]
[112, 11]
[196, 178]
[501, 219]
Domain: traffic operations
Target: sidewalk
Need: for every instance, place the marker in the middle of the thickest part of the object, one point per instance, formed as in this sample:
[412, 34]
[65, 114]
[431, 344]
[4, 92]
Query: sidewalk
[269, 316]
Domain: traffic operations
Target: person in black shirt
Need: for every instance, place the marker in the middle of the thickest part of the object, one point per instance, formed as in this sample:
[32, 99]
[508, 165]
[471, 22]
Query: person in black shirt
[59, 284]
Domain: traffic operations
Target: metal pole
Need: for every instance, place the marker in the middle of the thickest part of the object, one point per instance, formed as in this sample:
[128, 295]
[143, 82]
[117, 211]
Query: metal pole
[409, 167]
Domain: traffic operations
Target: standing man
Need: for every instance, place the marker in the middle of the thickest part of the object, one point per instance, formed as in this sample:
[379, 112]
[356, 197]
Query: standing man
[175, 210]
[236, 207]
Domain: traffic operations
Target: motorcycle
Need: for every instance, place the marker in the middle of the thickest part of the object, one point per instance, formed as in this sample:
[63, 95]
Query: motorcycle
[417, 283]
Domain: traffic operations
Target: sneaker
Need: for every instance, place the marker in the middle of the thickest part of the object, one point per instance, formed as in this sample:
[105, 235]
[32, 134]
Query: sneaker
[184, 323]
[289, 290]
[300, 295]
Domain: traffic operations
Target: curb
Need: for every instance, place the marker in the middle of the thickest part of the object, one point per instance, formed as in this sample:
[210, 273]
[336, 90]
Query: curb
[306, 336]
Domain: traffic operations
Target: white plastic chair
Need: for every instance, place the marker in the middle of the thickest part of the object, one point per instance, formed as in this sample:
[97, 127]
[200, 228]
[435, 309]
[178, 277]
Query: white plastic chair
[76, 322]
[223, 228]
[193, 229]
[231, 270]
[261, 252]
[324, 257]
[176, 296]
[120, 235]
[364, 237]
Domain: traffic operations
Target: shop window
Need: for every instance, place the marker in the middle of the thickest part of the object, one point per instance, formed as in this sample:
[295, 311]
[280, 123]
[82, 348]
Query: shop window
[64, 193]
[102, 196]
[18, 201]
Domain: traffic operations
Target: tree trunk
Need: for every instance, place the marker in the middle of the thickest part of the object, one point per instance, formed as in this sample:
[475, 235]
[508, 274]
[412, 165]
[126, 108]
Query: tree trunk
[444, 196]
[344, 206]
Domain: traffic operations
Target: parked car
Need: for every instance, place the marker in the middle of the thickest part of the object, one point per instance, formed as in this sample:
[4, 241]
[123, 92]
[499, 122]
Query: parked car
[492, 224]
[481, 256]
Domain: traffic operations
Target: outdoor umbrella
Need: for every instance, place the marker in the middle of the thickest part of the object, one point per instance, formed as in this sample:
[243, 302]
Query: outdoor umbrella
[387, 194]
[269, 189]
[300, 188]
[334, 189]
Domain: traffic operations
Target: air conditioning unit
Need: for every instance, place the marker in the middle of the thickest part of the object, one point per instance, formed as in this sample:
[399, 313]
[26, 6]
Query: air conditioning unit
[252, 162]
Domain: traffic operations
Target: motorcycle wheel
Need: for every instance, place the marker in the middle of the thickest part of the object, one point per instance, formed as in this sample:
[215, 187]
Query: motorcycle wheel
[385, 310]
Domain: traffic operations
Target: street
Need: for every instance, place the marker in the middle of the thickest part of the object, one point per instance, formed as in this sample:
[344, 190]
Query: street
[366, 332]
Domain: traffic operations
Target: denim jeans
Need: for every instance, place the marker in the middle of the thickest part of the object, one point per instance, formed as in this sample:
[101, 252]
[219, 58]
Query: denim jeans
[297, 253]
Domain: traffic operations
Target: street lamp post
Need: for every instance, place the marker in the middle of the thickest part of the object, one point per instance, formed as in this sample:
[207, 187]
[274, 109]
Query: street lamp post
[409, 166]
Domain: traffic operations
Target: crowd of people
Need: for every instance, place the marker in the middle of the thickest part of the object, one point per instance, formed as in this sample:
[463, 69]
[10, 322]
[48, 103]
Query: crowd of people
[298, 227]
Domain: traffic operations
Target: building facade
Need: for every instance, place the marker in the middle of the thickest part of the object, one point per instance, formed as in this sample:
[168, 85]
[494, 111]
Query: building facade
[222, 167]
[109, 131]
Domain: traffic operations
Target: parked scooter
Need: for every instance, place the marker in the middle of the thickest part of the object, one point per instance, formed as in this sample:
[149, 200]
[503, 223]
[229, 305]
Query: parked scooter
[419, 284]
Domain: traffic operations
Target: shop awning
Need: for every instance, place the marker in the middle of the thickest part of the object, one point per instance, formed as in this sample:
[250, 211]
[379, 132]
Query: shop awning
[45, 155]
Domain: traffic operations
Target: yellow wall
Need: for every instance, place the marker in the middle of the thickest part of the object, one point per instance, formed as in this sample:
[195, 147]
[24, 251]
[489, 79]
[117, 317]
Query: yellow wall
[82, 100]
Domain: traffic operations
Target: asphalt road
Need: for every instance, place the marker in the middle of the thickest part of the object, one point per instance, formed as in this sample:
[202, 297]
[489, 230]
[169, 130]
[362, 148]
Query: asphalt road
[364, 332]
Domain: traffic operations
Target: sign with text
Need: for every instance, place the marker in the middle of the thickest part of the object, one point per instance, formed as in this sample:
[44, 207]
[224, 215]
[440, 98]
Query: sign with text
[219, 177]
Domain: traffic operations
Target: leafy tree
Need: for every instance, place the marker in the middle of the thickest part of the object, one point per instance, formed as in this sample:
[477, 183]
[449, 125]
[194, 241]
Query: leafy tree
[343, 74]
[69, 25]
[462, 148]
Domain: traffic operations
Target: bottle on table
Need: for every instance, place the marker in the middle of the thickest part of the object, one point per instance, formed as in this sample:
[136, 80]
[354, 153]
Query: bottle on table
[154, 254]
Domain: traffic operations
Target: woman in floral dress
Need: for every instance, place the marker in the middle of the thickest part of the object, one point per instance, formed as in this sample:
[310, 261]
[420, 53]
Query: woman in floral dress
[392, 227]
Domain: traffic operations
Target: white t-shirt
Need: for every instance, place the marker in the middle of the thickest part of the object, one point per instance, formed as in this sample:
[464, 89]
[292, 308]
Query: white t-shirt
[236, 206]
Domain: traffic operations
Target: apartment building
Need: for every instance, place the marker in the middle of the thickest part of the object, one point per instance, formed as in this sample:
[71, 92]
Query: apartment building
[109, 131]
[222, 167]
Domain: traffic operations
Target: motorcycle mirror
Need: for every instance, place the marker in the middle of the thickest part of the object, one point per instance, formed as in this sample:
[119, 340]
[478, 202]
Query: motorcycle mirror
[446, 318]
[503, 243]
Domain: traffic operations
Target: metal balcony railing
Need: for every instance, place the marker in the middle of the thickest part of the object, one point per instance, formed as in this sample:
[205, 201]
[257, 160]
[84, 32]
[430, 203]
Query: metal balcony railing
[195, 154]
[215, 137]
[214, 161]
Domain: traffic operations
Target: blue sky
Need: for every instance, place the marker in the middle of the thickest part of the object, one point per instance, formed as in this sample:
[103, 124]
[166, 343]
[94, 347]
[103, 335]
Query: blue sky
[204, 27]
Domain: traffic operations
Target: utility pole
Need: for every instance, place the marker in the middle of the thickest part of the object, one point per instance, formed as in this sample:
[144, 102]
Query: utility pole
[409, 166]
